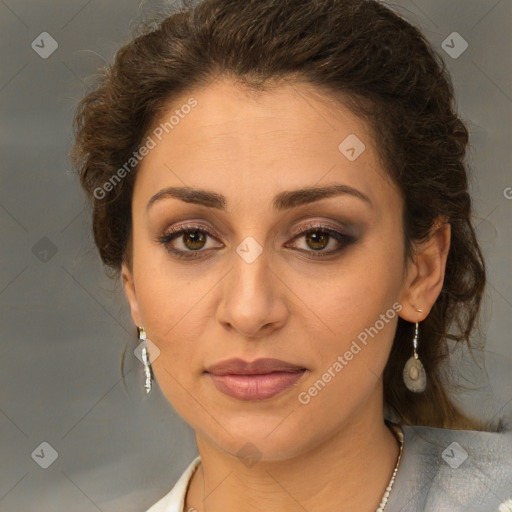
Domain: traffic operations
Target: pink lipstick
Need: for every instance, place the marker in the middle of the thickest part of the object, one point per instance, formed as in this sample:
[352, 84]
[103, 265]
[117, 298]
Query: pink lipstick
[256, 380]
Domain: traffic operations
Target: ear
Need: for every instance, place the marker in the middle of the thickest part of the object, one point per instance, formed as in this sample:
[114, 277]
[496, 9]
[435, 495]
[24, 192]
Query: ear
[129, 289]
[425, 275]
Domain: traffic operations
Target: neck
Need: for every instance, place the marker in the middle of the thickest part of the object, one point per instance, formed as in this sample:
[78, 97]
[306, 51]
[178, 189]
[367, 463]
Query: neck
[349, 471]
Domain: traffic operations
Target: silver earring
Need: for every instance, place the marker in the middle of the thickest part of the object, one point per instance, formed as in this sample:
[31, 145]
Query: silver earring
[148, 372]
[414, 375]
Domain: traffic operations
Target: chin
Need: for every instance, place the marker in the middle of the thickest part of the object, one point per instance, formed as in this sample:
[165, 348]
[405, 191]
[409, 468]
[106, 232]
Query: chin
[262, 440]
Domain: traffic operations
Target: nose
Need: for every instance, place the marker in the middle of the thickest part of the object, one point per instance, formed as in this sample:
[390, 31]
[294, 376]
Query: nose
[253, 301]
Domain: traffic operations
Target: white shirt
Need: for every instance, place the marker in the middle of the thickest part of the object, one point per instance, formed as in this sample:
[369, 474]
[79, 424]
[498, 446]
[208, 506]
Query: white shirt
[441, 470]
[174, 501]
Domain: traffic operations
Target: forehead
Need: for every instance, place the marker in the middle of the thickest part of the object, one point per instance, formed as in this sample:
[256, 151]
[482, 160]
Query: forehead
[239, 142]
[229, 113]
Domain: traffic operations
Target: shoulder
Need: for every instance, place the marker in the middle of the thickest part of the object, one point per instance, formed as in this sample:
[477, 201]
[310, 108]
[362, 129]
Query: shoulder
[463, 469]
[480, 444]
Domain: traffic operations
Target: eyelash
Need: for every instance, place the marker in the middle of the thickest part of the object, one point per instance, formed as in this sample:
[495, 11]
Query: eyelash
[167, 238]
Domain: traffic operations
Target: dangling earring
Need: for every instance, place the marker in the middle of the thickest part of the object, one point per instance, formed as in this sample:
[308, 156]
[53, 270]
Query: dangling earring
[414, 375]
[148, 372]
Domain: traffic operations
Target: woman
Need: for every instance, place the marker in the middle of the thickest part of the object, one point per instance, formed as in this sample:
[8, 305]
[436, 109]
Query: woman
[281, 187]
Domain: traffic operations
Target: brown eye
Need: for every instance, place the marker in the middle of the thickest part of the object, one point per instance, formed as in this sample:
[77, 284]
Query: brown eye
[317, 240]
[194, 240]
[186, 242]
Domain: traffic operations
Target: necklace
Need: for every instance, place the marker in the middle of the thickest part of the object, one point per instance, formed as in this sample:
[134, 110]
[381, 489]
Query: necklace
[400, 435]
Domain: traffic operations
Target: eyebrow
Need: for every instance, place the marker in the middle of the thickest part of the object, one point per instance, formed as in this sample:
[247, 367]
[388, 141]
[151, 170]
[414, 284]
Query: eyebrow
[282, 201]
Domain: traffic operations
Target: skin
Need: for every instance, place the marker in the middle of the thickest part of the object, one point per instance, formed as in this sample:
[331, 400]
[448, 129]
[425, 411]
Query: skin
[285, 304]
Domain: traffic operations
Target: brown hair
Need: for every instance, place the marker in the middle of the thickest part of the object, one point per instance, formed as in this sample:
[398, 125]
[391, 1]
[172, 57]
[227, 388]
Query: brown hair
[359, 52]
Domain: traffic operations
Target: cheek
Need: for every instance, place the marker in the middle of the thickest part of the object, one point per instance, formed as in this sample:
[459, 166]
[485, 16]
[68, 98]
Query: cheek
[356, 314]
[175, 324]
[169, 296]
[353, 299]
[177, 312]
[349, 360]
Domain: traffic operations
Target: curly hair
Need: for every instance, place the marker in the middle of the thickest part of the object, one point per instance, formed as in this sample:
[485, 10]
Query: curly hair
[362, 54]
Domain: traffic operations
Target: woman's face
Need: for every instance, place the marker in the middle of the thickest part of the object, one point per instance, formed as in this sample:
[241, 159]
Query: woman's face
[244, 283]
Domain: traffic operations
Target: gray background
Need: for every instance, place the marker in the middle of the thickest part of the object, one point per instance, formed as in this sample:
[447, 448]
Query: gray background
[64, 324]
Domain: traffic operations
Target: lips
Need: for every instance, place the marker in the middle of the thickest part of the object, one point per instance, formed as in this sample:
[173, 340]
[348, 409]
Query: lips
[256, 380]
[259, 367]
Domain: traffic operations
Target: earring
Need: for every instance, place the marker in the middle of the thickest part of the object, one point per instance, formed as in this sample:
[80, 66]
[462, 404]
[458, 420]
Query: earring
[148, 372]
[414, 375]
